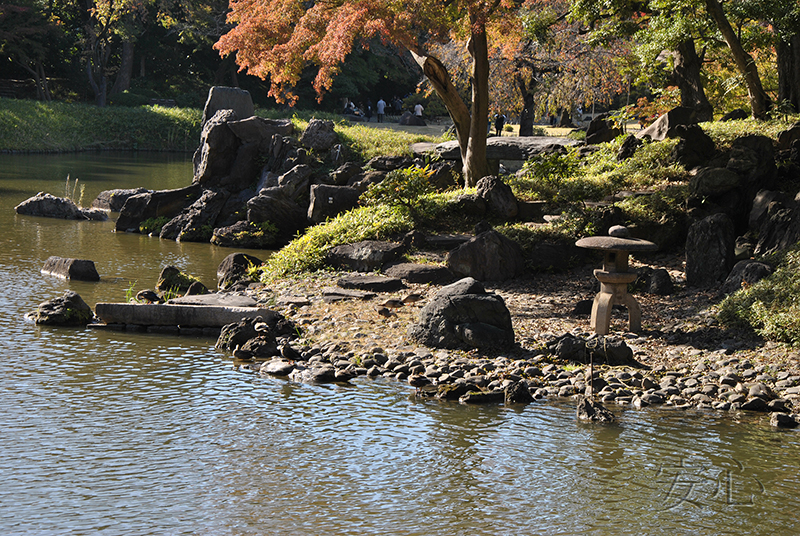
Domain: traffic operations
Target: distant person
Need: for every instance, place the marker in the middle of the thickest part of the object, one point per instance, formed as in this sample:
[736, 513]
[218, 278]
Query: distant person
[398, 105]
[418, 109]
[368, 110]
[499, 123]
[380, 109]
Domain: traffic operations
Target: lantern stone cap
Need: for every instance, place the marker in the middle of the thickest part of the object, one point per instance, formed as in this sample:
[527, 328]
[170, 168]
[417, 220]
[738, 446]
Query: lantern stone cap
[616, 243]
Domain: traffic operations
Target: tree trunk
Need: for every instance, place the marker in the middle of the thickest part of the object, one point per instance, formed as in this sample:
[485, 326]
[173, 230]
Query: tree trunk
[123, 81]
[475, 164]
[759, 100]
[687, 76]
[788, 59]
[527, 116]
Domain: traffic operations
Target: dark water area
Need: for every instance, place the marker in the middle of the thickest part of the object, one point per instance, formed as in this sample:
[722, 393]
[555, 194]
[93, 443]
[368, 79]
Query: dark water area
[126, 433]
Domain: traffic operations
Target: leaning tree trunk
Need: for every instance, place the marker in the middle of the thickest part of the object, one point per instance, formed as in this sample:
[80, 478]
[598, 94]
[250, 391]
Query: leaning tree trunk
[759, 100]
[788, 59]
[440, 79]
[687, 76]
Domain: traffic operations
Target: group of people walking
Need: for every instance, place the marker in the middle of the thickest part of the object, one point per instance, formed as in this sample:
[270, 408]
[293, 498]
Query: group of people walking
[382, 108]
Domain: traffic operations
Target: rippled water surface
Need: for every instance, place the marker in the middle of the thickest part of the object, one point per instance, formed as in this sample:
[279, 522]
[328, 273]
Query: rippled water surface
[122, 433]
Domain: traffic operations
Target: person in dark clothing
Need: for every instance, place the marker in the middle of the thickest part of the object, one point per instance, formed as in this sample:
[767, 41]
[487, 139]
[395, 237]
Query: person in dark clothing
[499, 123]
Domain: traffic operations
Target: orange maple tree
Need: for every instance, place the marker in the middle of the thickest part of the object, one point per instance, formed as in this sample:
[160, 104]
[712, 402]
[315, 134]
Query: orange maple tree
[276, 39]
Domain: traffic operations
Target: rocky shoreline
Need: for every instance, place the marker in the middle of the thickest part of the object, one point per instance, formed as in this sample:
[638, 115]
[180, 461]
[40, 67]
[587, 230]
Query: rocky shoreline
[682, 359]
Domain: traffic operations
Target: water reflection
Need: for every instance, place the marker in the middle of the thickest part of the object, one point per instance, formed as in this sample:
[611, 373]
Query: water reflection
[123, 433]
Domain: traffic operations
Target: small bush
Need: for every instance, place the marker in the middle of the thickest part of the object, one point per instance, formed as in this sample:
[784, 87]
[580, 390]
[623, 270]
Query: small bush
[401, 188]
[153, 226]
[771, 307]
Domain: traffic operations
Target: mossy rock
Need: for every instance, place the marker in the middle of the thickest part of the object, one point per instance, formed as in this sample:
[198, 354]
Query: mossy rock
[173, 280]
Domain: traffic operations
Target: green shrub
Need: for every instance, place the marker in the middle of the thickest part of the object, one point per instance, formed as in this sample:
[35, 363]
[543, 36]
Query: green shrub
[401, 188]
[770, 307]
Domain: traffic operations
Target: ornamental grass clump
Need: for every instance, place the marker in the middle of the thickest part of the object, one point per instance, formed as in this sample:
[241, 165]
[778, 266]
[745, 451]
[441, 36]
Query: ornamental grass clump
[770, 307]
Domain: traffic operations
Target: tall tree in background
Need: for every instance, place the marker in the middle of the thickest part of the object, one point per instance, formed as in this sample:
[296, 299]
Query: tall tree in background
[25, 31]
[275, 39]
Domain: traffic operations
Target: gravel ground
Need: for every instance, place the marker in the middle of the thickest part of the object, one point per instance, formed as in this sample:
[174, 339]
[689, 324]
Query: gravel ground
[677, 329]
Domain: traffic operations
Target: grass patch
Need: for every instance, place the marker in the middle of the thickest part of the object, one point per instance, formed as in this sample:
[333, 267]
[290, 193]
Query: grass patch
[307, 252]
[771, 307]
[724, 132]
[27, 125]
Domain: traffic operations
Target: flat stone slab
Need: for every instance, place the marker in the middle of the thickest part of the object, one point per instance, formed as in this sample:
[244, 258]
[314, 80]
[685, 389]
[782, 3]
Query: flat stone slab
[333, 294]
[216, 300]
[370, 283]
[153, 314]
[615, 243]
[507, 147]
[420, 273]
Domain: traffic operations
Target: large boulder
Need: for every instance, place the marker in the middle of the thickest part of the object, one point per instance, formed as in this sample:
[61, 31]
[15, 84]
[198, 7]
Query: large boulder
[196, 222]
[319, 135]
[274, 206]
[162, 203]
[50, 206]
[779, 228]
[665, 126]
[295, 182]
[463, 314]
[328, 201]
[710, 251]
[745, 273]
[498, 197]
[67, 310]
[114, 200]
[509, 147]
[409, 119]
[227, 98]
[218, 148]
[489, 256]
[77, 269]
[259, 131]
[695, 147]
[714, 181]
[601, 130]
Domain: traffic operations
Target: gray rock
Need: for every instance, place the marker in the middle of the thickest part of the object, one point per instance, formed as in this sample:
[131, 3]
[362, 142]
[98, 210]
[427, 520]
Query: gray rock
[695, 147]
[780, 228]
[389, 163]
[782, 420]
[161, 203]
[195, 223]
[365, 256]
[67, 310]
[490, 256]
[259, 131]
[319, 374]
[714, 181]
[246, 235]
[498, 196]
[217, 151]
[227, 98]
[328, 201]
[319, 135]
[745, 273]
[114, 200]
[469, 205]
[464, 314]
[274, 206]
[370, 283]
[709, 251]
[332, 295]
[601, 130]
[50, 206]
[77, 269]
[233, 269]
[342, 175]
[628, 147]
[295, 182]
[277, 367]
[733, 115]
[593, 411]
[508, 147]
[664, 127]
[788, 137]
[409, 119]
[420, 273]
[755, 404]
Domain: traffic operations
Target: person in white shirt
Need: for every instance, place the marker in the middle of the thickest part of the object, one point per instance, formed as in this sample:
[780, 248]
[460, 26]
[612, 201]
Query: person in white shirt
[418, 110]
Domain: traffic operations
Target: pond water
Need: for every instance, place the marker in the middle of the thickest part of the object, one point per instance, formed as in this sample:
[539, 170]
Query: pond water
[125, 433]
